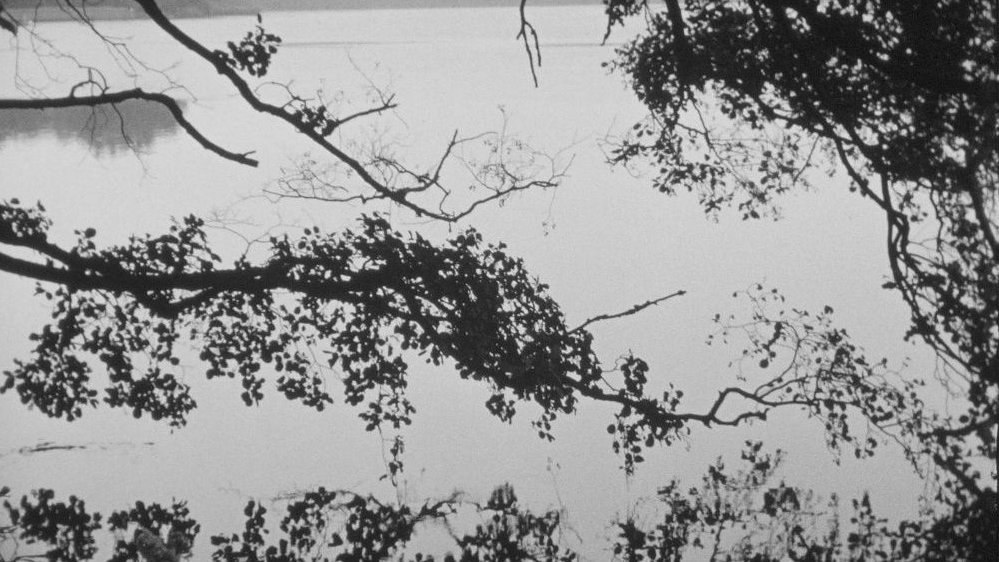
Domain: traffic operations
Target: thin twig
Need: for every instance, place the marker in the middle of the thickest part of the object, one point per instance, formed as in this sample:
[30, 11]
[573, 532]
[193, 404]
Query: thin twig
[633, 310]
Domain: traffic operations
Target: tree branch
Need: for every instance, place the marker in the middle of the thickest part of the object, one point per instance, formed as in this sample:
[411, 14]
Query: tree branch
[633, 310]
[112, 98]
[219, 61]
[528, 34]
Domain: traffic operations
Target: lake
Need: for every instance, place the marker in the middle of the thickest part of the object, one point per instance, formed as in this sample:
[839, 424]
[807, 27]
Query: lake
[603, 241]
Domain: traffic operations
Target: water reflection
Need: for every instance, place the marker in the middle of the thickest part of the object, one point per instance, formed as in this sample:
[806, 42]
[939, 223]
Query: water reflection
[108, 131]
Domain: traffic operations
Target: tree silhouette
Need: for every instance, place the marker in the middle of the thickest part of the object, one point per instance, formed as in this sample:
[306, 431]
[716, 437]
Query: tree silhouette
[902, 97]
[744, 515]
[371, 299]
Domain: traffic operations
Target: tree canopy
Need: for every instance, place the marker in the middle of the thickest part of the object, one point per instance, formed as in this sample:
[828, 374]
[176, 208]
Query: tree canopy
[744, 98]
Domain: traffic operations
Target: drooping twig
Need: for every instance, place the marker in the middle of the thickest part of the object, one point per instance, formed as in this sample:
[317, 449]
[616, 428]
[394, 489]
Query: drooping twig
[529, 35]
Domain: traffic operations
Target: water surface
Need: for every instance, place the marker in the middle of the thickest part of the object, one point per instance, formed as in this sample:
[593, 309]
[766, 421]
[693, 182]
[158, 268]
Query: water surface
[603, 241]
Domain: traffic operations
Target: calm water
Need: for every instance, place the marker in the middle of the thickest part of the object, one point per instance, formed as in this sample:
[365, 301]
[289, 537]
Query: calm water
[603, 241]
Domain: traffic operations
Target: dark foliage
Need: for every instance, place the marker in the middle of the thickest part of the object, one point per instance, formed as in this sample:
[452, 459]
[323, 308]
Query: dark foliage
[902, 96]
[743, 515]
[370, 300]
[65, 528]
[64, 531]
[253, 53]
[321, 526]
[512, 533]
[369, 297]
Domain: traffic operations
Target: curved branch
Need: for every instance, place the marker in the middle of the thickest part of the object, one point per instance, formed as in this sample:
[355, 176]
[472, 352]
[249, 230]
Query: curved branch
[219, 62]
[155, 290]
[112, 98]
[653, 412]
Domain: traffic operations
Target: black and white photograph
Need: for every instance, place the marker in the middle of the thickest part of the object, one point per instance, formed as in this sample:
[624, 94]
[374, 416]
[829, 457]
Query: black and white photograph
[499, 280]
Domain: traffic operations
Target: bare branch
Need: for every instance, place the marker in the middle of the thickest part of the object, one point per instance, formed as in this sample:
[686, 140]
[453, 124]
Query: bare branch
[112, 98]
[386, 105]
[633, 310]
[399, 195]
[530, 37]
[497, 165]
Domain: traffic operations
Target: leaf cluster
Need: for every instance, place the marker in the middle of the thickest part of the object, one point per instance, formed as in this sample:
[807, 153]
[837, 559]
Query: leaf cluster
[253, 53]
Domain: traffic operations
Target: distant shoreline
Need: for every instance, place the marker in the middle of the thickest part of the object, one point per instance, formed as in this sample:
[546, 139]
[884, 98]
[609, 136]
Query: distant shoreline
[48, 10]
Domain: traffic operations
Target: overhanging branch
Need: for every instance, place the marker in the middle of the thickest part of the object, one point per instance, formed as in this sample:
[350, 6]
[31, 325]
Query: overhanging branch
[112, 98]
[399, 196]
